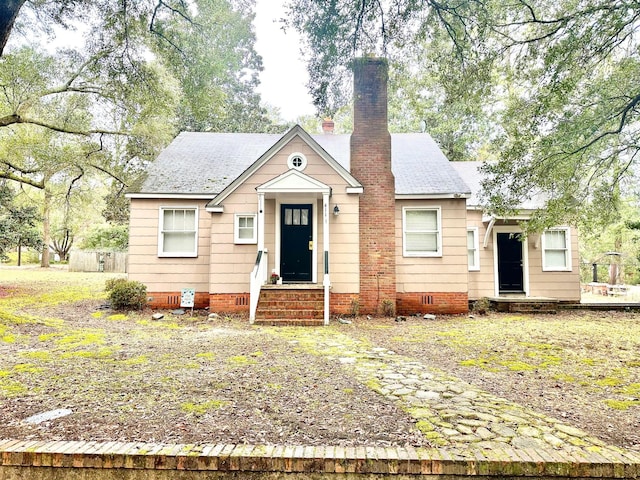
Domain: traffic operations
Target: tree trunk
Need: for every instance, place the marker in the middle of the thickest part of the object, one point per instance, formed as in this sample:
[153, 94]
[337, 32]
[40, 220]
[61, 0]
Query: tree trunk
[19, 254]
[8, 12]
[46, 229]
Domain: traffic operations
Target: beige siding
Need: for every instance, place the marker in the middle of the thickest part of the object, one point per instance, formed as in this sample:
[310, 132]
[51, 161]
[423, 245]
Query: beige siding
[481, 282]
[560, 285]
[233, 263]
[166, 274]
[447, 273]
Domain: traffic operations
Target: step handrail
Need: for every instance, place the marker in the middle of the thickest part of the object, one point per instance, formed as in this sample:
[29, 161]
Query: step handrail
[258, 278]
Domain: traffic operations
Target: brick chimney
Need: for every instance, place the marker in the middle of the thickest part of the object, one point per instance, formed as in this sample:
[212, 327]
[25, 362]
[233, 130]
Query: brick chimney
[371, 165]
[327, 126]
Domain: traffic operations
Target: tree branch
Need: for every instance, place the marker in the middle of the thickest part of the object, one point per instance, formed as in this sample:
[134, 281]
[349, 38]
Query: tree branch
[16, 119]
[23, 180]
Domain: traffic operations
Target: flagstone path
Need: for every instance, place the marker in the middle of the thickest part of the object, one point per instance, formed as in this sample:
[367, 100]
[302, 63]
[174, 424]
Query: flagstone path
[451, 413]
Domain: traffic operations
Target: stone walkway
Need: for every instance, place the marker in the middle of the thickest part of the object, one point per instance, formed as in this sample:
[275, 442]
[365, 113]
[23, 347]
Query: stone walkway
[451, 413]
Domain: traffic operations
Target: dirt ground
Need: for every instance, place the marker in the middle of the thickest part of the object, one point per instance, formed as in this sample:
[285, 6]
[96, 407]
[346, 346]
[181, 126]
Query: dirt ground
[188, 379]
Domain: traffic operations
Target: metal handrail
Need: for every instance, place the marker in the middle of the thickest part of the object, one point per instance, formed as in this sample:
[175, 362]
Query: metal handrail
[258, 278]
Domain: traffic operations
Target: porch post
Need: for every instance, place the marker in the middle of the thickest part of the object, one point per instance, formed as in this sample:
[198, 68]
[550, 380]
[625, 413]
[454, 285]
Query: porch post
[325, 241]
[260, 221]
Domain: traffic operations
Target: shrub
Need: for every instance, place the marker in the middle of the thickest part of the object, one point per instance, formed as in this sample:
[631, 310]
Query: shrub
[388, 308]
[110, 284]
[355, 307]
[481, 306]
[126, 294]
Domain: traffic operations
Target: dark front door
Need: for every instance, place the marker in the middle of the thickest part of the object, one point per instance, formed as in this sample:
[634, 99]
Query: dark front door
[510, 272]
[296, 243]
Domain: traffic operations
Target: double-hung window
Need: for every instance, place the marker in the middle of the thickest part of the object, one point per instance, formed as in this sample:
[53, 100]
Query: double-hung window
[556, 249]
[178, 235]
[421, 232]
[245, 230]
[473, 252]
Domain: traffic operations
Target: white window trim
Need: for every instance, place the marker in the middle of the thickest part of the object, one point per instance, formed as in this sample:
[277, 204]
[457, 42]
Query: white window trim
[301, 167]
[567, 235]
[161, 252]
[476, 253]
[236, 229]
[438, 252]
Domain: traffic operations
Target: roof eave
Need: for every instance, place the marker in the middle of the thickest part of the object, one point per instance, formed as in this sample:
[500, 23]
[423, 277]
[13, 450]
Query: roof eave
[177, 196]
[432, 196]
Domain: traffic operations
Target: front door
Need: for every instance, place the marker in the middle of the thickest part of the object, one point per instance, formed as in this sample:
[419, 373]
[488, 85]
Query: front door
[510, 271]
[296, 243]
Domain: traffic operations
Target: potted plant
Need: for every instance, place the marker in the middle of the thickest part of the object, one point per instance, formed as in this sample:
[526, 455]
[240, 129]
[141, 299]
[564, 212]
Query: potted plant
[274, 278]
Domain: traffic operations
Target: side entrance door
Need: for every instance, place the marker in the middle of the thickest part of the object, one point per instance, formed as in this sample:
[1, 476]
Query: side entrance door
[296, 242]
[510, 268]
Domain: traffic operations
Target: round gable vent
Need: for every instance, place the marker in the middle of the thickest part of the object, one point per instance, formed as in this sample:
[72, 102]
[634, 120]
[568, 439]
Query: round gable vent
[297, 161]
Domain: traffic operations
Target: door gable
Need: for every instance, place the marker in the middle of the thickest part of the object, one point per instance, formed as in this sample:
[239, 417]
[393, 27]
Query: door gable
[293, 181]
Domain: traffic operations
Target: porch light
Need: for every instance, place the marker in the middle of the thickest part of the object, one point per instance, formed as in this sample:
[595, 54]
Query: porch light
[336, 211]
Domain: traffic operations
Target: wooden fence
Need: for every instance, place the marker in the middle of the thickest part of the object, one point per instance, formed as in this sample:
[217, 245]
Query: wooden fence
[93, 261]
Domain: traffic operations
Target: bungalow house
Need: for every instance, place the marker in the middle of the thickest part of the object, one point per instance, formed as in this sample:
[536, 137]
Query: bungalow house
[297, 227]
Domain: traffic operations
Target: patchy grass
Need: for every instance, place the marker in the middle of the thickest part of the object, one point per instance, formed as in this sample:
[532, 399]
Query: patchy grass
[185, 379]
[182, 379]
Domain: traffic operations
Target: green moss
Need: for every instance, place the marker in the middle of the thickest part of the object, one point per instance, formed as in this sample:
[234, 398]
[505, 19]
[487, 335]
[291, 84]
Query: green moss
[202, 408]
[101, 353]
[43, 355]
[436, 439]
[210, 356]
[240, 360]
[608, 382]
[81, 338]
[539, 346]
[11, 388]
[425, 427]
[631, 389]
[117, 317]
[140, 360]
[563, 377]
[26, 368]
[621, 404]
[45, 337]
[348, 391]
[97, 314]
[483, 362]
[518, 365]
[8, 338]
[374, 384]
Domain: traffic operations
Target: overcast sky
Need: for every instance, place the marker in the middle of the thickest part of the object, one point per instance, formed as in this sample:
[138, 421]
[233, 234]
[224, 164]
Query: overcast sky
[284, 79]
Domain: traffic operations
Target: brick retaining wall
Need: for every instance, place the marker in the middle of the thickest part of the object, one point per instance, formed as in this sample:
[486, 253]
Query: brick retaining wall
[26, 460]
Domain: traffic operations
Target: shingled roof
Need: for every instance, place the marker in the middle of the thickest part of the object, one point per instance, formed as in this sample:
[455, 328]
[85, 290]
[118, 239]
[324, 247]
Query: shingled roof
[472, 176]
[206, 163]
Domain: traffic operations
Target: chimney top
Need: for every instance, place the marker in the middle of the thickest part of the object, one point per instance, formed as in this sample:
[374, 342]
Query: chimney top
[327, 126]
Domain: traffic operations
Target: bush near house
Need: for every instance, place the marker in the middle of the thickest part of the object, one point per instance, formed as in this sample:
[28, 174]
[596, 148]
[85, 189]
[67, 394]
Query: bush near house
[126, 294]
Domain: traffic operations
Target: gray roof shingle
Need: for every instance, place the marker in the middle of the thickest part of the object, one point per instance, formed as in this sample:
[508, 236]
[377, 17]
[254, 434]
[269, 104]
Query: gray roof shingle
[471, 175]
[205, 163]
